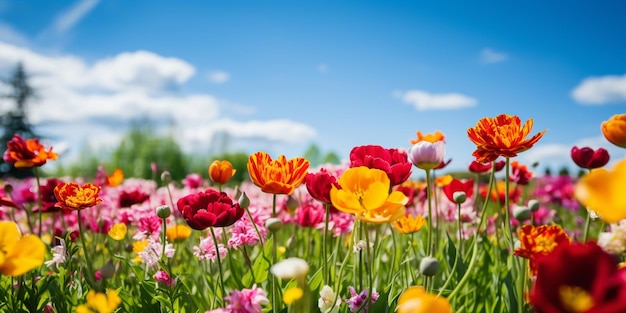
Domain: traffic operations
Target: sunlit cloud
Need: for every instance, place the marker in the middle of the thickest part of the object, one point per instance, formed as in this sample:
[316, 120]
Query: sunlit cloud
[66, 20]
[601, 90]
[490, 56]
[423, 100]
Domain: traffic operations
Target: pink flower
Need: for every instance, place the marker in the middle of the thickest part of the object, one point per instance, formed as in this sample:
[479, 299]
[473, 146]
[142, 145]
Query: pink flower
[310, 215]
[243, 233]
[150, 224]
[206, 249]
[247, 300]
[163, 278]
[356, 300]
[192, 181]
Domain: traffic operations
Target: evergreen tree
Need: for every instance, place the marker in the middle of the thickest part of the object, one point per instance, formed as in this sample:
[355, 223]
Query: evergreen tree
[15, 120]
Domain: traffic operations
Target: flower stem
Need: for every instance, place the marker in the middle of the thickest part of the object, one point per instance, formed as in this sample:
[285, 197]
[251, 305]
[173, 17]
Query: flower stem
[219, 265]
[430, 247]
[40, 202]
[324, 245]
[89, 275]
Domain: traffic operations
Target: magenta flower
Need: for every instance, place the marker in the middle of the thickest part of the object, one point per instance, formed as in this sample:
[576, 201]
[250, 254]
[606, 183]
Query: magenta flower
[588, 158]
[163, 278]
[319, 185]
[356, 300]
[392, 161]
[247, 300]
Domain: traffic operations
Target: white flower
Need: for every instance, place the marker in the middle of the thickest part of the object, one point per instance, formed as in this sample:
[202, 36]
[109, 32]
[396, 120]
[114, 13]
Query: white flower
[290, 268]
[614, 241]
[58, 255]
[361, 245]
[328, 301]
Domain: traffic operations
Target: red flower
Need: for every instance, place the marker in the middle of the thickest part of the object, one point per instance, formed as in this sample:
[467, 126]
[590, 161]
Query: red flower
[520, 173]
[4, 201]
[485, 168]
[72, 197]
[319, 185]
[127, 199]
[209, 209]
[443, 164]
[588, 158]
[27, 153]
[48, 199]
[579, 278]
[309, 215]
[394, 162]
[457, 185]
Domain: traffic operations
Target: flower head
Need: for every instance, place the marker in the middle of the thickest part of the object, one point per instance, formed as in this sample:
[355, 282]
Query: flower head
[177, 232]
[247, 300]
[319, 185]
[19, 254]
[416, 300]
[72, 196]
[409, 224]
[485, 168]
[357, 299]
[27, 153]
[588, 158]
[614, 130]
[365, 193]
[434, 137]
[279, 176]
[221, 172]
[290, 268]
[536, 241]
[520, 173]
[603, 192]
[392, 161]
[116, 178]
[457, 185]
[118, 231]
[427, 155]
[503, 135]
[210, 208]
[98, 302]
[328, 302]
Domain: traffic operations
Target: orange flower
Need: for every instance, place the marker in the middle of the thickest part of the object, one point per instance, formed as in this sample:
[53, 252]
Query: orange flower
[614, 130]
[415, 299]
[116, 178]
[27, 153]
[409, 224]
[501, 136]
[540, 240]
[498, 193]
[71, 196]
[177, 232]
[437, 136]
[280, 176]
[221, 171]
[443, 181]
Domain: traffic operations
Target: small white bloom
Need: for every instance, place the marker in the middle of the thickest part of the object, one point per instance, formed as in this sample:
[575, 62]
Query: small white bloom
[58, 255]
[290, 268]
[328, 301]
[361, 245]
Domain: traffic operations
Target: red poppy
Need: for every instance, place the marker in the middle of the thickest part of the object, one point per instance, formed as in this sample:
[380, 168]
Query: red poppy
[458, 185]
[319, 185]
[127, 199]
[588, 158]
[210, 208]
[485, 168]
[394, 162]
[72, 196]
[27, 153]
[520, 173]
[579, 278]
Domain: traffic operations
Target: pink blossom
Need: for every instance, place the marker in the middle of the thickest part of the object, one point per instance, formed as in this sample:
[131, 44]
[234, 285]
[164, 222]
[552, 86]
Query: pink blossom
[243, 233]
[192, 181]
[356, 300]
[247, 300]
[206, 249]
[163, 278]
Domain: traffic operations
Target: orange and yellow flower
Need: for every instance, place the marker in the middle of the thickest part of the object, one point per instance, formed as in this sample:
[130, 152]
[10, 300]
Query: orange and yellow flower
[177, 232]
[98, 302]
[416, 300]
[603, 192]
[279, 176]
[432, 138]
[221, 172]
[72, 196]
[614, 130]
[503, 135]
[19, 254]
[409, 224]
[539, 240]
[365, 193]
[116, 178]
[27, 153]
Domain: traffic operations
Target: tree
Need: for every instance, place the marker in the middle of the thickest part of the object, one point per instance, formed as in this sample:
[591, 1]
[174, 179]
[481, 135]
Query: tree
[15, 120]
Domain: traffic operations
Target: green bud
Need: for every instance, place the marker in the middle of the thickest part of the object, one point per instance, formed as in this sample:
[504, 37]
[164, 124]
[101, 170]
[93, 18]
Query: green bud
[244, 201]
[273, 224]
[107, 270]
[459, 197]
[429, 266]
[292, 203]
[521, 213]
[533, 205]
[163, 211]
[166, 177]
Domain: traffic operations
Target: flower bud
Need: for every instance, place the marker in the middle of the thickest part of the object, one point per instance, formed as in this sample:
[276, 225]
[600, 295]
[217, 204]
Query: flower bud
[244, 201]
[521, 213]
[163, 211]
[533, 205]
[459, 197]
[429, 266]
[107, 270]
[273, 224]
[166, 177]
[292, 203]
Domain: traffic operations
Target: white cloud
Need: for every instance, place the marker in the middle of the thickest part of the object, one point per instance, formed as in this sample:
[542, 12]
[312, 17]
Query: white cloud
[423, 100]
[219, 77]
[11, 35]
[73, 15]
[94, 102]
[490, 56]
[601, 90]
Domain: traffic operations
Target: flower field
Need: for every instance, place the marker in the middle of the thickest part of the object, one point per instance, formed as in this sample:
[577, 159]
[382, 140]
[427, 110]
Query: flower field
[362, 236]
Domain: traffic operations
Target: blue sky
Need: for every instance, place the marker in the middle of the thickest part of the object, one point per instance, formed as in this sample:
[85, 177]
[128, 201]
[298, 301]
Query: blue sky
[280, 75]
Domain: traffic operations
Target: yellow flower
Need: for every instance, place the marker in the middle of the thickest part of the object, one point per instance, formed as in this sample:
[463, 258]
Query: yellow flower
[118, 231]
[614, 130]
[409, 224]
[138, 246]
[19, 254]
[443, 180]
[178, 232]
[365, 193]
[416, 300]
[292, 295]
[98, 302]
[603, 192]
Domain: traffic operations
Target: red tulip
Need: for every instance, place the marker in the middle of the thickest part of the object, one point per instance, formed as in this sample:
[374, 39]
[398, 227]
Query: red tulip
[457, 185]
[319, 185]
[588, 158]
[209, 209]
[393, 161]
[485, 168]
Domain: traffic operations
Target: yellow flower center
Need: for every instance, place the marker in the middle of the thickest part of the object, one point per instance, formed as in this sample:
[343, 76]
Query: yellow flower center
[575, 299]
[545, 244]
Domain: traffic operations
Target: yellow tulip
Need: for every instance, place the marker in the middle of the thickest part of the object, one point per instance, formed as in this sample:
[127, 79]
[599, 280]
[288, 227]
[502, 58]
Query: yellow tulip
[416, 300]
[603, 192]
[19, 254]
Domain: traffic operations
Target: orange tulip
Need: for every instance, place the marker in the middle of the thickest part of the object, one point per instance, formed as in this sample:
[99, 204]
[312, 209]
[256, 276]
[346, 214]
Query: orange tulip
[27, 153]
[415, 299]
[71, 196]
[614, 130]
[503, 135]
[279, 176]
[116, 178]
[221, 171]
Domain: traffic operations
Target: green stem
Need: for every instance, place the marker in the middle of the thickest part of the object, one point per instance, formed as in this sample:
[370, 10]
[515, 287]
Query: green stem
[219, 265]
[89, 275]
[430, 247]
[39, 200]
[275, 300]
[324, 245]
